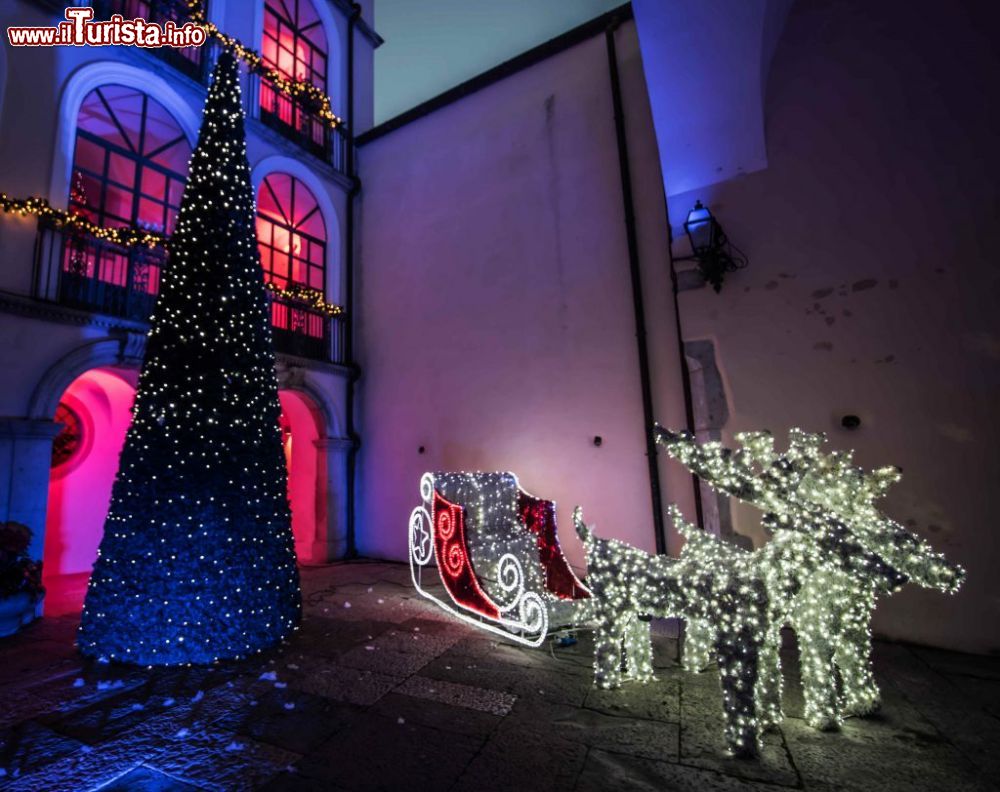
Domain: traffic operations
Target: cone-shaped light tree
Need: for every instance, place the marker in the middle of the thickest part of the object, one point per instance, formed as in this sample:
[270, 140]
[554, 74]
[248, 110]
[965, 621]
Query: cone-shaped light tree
[197, 562]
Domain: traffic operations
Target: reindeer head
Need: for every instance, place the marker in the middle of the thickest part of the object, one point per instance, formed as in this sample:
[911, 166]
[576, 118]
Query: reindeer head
[823, 496]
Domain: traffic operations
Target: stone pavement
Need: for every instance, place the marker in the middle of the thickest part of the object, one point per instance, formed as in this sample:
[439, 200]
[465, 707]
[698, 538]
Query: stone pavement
[381, 690]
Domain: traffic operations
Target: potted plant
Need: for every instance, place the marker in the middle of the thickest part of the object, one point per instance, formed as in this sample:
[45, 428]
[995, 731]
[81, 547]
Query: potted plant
[21, 589]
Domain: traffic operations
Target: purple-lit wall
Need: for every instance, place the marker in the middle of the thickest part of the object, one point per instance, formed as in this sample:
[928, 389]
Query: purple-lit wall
[495, 320]
[872, 289]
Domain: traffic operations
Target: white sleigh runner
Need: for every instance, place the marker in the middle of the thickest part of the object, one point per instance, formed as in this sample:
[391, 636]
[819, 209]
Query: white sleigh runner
[497, 555]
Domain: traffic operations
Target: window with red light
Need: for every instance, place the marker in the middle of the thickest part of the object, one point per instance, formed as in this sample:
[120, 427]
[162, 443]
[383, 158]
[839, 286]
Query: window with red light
[294, 44]
[129, 168]
[291, 236]
[290, 233]
[130, 162]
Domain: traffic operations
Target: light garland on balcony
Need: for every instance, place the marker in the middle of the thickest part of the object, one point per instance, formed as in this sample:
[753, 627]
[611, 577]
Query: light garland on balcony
[312, 298]
[291, 87]
[126, 236]
[831, 553]
[133, 236]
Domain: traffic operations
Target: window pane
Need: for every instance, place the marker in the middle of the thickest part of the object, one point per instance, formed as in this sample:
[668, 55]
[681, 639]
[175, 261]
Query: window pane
[126, 111]
[154, 184]
[121, 170]
[175, 156]
[88, 156]
[118, 204]
[279, 264]
[281, 239]
[151, 214]
[291, 231]
[176, 192]
[95, 118]
[263, 230]
[86, 191]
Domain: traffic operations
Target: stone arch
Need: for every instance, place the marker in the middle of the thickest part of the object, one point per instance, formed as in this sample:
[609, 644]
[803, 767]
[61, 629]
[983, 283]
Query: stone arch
[295, 378]
[106, 352]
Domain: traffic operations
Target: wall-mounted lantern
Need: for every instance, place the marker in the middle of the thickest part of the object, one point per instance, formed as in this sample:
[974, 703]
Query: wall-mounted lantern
[710, 246]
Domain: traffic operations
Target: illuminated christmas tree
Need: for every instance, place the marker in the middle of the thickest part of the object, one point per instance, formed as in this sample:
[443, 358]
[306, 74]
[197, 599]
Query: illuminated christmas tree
[197, 562]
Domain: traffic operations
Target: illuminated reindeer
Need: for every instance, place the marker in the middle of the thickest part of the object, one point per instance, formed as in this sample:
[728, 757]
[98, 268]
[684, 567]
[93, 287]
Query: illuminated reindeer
[831, 553]
[629, 585]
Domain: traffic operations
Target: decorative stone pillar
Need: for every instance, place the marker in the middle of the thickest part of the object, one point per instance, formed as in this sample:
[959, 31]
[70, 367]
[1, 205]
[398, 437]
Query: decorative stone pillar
[25, 460]
[330, 542]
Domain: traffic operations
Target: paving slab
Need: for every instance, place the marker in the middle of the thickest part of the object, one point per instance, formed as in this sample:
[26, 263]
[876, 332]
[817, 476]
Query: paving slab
[605, 770]
[381, 753]
[380, 689]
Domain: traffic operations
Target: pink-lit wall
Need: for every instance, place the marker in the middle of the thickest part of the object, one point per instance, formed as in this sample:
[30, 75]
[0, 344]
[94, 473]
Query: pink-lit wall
[306, 471]
[80, 490]
[495, 317]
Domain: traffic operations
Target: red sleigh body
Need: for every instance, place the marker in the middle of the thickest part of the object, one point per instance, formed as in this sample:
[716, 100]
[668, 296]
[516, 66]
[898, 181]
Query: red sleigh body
[510, 575]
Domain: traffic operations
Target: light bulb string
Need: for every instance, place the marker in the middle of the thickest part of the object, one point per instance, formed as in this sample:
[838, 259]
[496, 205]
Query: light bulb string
[132, 236]
[301, 90]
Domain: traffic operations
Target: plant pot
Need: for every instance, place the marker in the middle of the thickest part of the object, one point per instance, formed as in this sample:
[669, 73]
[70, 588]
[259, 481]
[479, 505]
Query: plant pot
[16, 611]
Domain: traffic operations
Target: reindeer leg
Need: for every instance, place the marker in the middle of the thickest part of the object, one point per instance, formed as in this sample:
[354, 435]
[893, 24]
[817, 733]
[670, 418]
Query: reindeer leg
[737, 656]
[853, 656]
[608, 650]
[769, 678]
[818, 671]
[698, 639]
[639, 650]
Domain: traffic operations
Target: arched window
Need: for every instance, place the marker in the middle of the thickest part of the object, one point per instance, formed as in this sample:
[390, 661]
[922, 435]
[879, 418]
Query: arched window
[129, 168]
[294, 44]
[291, 235]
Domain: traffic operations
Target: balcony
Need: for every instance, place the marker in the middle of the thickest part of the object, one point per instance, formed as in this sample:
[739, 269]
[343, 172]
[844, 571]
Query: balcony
[88, 274]
[195, 62]
[295, 120]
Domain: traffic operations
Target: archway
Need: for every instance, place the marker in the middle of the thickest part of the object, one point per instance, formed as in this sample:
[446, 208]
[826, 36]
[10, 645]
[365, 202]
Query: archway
[301, 428]
[95, 410]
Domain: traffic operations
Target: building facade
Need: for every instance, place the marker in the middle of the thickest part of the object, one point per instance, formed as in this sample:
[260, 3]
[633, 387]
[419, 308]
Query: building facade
[107, 132]
[515, 271]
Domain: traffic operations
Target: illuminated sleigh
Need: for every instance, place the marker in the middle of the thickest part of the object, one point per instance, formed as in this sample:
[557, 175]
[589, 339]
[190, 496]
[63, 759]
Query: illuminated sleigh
[497, 556]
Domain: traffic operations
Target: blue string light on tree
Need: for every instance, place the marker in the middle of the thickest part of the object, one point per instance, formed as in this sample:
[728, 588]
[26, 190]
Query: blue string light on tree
[197, 562]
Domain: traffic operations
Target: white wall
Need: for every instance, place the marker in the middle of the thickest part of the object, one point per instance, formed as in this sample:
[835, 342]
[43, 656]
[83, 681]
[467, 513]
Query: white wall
[495, 318]
[873, 278]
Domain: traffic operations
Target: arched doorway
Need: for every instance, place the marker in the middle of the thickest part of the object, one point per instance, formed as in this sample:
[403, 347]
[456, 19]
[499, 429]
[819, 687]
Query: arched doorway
[95, 410]
[95, 413]
[301, 427]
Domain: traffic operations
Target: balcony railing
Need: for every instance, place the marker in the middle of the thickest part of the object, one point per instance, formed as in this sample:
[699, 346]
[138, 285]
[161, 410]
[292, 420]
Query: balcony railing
[81, 272]
[295, 120]
[195, 62]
